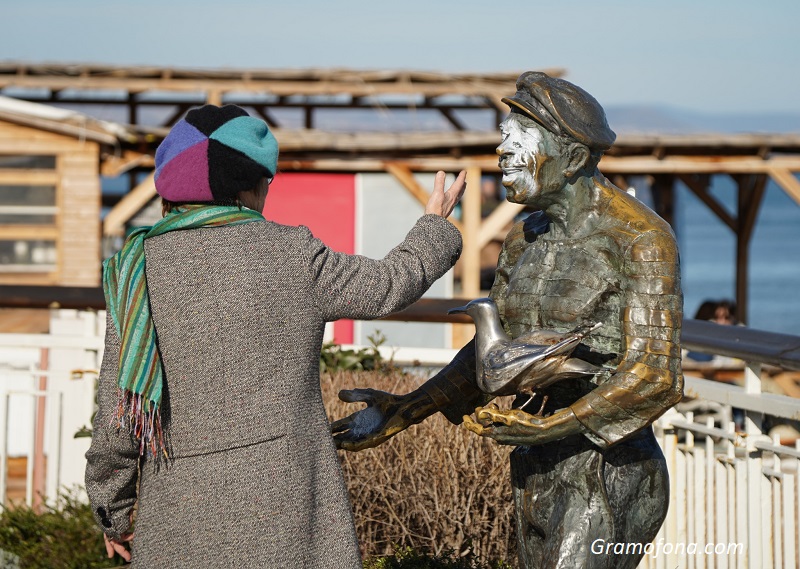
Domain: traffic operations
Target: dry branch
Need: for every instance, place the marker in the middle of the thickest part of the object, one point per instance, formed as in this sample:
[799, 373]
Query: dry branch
[435, 487]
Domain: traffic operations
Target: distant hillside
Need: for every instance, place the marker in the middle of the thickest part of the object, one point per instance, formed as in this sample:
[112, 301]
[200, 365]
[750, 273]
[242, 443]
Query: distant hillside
[667, 120]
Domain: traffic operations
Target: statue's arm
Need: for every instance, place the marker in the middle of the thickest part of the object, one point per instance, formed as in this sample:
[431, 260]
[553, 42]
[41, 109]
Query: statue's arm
[648, 380]
[453, 391]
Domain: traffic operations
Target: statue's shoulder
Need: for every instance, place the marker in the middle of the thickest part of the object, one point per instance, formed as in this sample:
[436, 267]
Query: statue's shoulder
[626, 219]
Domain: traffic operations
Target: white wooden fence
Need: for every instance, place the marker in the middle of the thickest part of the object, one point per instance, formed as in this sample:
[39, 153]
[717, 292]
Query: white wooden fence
[47, 390]
[735, 496]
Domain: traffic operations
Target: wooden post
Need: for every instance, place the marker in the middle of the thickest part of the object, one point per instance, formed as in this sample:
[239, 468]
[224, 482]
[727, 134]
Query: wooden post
[751, 191]
[471, 222]
[133, 117]
[308, 117]
[663, 197]
[214, 97]
[38, 458]
[471, 255]
[129, 205]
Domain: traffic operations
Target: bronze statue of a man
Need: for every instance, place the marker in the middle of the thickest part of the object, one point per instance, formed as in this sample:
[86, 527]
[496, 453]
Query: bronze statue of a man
[587, 469]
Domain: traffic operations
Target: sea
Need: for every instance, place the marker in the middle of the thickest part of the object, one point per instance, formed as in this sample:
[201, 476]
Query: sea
[708, 256]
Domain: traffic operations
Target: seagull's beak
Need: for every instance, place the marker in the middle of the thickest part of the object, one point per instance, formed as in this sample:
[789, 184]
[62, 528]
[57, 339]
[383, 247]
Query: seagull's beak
[459, 310]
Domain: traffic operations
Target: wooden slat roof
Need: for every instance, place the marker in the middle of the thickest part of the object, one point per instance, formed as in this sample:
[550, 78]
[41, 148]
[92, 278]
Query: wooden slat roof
[276, 81]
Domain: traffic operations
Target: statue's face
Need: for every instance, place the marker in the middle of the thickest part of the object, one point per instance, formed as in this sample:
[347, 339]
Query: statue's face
[530, 159]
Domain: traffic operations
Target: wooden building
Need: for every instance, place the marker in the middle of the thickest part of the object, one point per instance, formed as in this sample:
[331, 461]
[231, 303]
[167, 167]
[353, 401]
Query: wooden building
[49, 195]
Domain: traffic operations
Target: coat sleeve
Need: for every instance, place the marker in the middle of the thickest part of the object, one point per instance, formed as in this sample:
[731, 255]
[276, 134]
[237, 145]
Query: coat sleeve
[353, 286]
[112, 461]
[648, 380]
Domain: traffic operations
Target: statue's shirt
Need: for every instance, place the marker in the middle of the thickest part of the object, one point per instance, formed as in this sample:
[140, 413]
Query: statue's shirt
[623, 273]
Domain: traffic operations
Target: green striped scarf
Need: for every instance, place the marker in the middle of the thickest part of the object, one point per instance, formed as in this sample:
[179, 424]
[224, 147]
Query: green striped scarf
[141, 376]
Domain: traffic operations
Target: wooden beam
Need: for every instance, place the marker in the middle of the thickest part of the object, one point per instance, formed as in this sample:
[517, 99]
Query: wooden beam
[629, 165]
[700, 189]
[787, 181]
[128, 206]
[29, 232]
[357, 87]
[756, 187]
[497, 102]
[267, 116]
[452, 118]
[403, 174]
[621, 182]
[696, 164]
[29, 177]
[81, 132]
[502, 215]
[113, 165]
[448, 164]
[663, 189]
[177, 114]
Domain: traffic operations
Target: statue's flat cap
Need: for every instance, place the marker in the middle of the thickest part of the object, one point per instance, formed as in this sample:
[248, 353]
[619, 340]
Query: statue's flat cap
[562, 108]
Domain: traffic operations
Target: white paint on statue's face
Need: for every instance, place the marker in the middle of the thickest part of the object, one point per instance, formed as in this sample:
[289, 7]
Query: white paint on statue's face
[526, 153]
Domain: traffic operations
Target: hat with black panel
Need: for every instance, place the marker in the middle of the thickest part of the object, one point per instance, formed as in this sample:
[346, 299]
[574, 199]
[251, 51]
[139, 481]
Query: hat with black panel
[213, 154]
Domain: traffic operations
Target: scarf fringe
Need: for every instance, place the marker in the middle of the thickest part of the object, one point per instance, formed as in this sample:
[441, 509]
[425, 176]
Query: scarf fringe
[142, 419]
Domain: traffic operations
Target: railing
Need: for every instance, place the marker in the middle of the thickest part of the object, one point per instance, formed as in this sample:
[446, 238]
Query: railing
[734, 490]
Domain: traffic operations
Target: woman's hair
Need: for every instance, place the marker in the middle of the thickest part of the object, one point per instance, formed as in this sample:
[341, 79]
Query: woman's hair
[167, 206]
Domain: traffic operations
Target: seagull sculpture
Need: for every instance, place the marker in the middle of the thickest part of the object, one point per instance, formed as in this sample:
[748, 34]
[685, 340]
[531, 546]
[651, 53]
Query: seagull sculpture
[532, 361]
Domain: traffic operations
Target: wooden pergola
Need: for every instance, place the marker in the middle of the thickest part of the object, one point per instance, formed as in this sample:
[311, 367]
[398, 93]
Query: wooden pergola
[461, 99]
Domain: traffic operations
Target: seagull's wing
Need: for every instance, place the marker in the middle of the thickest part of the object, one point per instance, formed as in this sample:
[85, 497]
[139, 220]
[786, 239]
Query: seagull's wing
[504, 366]
[571, 340]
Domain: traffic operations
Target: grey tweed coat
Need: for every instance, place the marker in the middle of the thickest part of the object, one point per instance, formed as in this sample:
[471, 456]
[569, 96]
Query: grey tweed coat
[253, 479]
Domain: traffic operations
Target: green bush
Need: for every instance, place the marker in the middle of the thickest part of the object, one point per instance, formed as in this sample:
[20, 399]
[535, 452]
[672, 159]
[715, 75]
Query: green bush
[61, 537]
[334, 358]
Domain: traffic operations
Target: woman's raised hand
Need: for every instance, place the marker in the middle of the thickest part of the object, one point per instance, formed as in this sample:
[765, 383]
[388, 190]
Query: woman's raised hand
[442, 202]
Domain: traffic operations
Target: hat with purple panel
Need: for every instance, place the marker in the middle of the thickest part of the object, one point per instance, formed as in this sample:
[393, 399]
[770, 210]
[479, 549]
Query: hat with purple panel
[213, 154]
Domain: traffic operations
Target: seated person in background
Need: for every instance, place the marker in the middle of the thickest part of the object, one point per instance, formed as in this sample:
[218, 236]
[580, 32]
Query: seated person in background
[720, 312]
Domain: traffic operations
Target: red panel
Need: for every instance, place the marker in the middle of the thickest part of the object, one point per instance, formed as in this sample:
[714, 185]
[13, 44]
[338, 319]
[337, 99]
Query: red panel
[326, 204]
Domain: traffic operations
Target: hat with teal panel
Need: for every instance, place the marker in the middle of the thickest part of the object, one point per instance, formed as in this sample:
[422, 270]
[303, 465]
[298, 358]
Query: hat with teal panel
[213, 154]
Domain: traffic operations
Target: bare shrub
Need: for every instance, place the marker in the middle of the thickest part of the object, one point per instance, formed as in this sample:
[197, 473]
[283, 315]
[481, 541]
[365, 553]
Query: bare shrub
[435, 487]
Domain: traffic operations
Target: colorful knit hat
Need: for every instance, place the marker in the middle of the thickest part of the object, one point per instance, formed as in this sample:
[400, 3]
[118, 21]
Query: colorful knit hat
[213, 154]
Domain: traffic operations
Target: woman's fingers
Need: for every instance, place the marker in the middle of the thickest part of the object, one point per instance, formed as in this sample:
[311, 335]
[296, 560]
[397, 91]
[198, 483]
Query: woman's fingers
[442, 203]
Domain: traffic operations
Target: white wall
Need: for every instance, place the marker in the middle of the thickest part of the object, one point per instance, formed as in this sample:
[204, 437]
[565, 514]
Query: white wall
[385, 212]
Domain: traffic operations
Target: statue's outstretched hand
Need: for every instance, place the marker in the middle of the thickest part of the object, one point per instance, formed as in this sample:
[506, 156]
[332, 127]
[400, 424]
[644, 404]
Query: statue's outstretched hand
[384, 416]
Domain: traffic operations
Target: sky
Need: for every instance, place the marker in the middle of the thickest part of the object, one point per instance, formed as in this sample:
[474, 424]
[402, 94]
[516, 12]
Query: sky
[711, 56]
